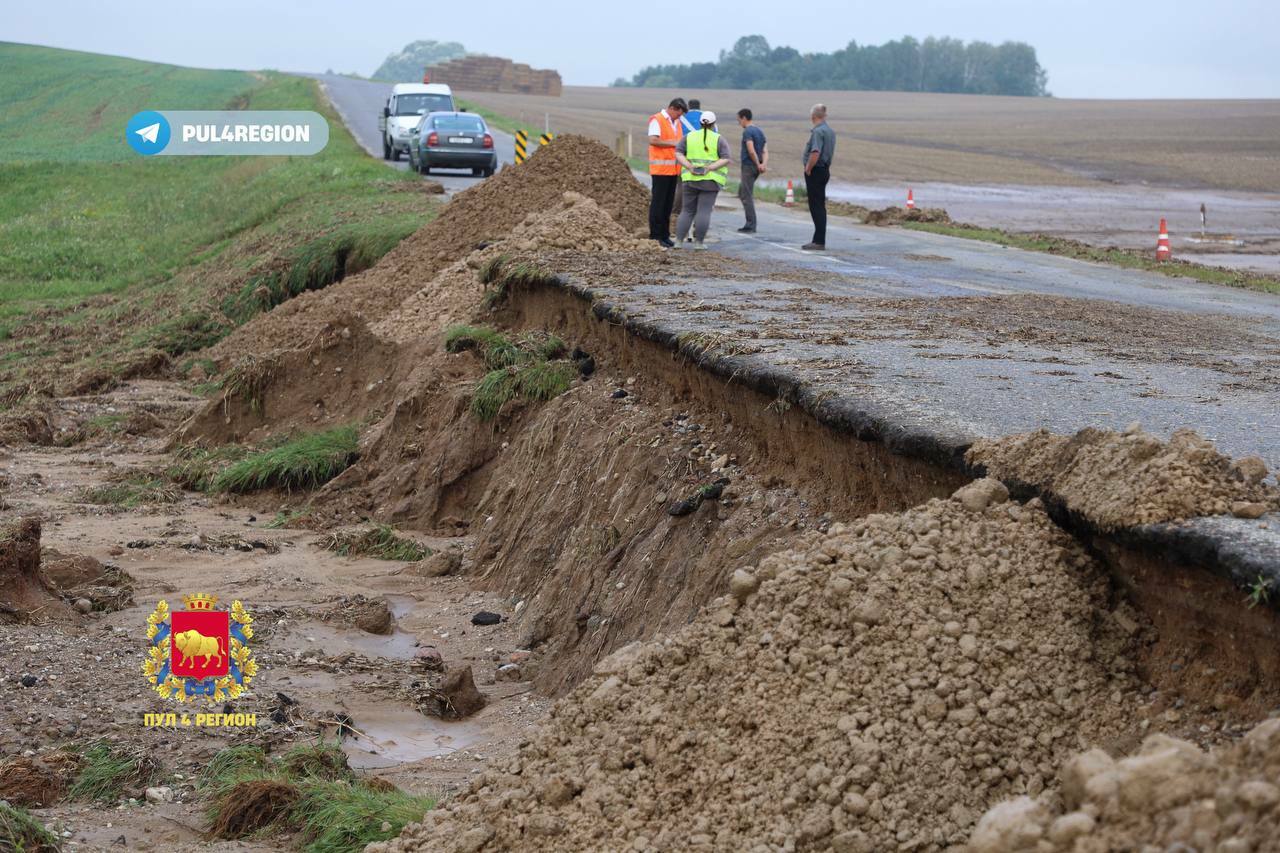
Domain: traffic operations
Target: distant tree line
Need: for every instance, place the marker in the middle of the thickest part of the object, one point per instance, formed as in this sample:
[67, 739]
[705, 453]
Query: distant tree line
[905, 65]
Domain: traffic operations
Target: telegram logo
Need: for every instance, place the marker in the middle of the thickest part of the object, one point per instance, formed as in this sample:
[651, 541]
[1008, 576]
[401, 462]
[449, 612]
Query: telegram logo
[147, 132]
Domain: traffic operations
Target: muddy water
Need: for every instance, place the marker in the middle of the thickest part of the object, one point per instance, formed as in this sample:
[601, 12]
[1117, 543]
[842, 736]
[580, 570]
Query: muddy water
[1124, 215]
[390, 735]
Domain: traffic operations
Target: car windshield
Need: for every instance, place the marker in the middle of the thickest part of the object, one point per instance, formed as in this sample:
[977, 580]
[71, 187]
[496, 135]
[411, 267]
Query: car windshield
[416, 105]
[461, 124]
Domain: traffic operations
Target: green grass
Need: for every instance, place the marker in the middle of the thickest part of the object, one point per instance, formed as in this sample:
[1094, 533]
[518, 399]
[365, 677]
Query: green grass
[304, 462]
[380, 541]
[337, 817]
[110, 770]
[1127, 258]
[314, 794]
[133, 491]
[22, 833]
[196, 468]
[166, 253]
[532, 367]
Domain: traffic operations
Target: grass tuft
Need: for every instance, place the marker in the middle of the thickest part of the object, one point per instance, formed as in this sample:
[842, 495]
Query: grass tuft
[133, 491]
[22, 833]
[248, 380]
[380, 541]
[496, 349]
[317, 761]
[109, 769]
[544, 380]
[336, 817]
[310, 791]
[495, 390]
[195, 467]
[304, 462]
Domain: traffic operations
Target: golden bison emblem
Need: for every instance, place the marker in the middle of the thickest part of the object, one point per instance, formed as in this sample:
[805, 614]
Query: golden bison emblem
[191, 644]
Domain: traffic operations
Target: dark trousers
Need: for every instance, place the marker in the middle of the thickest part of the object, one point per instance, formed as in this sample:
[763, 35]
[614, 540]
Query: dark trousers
[660, 204]
[815, 186]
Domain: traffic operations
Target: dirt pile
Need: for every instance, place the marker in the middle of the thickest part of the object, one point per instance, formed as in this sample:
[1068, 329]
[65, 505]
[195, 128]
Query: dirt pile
[1171, 795]
[898, 215]
[574, 222]
[877, 689]
[1122, 479]
[24, 592]
[481, 214]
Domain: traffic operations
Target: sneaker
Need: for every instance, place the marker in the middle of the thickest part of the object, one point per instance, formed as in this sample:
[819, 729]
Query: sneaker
[699, 245]
[814, 247]
[746, 229]
[666, 243]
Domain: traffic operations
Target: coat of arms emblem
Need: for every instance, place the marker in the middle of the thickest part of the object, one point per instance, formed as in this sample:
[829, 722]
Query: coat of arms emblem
[199, 652]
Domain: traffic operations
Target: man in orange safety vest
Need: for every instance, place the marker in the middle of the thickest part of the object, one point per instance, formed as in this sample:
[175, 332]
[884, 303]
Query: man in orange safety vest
[665, 131]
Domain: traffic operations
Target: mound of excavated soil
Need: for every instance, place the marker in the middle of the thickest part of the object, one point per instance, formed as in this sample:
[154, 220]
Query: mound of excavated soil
[1170, 796]
[574, 222]
[1124, 479]
[897, 215]
[483, 213]
[876, 690]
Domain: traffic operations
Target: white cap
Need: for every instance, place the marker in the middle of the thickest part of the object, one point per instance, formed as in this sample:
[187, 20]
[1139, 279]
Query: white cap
[708, 117]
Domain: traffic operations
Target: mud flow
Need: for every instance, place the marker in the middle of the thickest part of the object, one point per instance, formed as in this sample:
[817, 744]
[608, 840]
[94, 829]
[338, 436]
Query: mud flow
[597, 584]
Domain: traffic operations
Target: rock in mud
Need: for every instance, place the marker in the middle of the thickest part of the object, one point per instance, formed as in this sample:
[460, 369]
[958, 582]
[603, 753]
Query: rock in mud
[486, 617]
[375, 617]
[457, 695]
[439, 564]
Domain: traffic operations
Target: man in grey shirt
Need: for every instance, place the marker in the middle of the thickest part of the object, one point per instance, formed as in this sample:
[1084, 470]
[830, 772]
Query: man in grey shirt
[817, 171]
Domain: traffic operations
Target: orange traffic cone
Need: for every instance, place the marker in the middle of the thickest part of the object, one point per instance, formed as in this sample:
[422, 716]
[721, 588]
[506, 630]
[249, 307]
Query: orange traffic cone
[791, 195]
[1163, 252]
[911, 200]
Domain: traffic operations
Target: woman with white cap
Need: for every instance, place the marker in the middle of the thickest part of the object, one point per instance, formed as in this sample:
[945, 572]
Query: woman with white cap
[703, 156]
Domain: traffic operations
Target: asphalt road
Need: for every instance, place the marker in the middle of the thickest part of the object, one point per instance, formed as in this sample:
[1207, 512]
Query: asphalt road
[873, 318]
[360, 102]
[904, 320]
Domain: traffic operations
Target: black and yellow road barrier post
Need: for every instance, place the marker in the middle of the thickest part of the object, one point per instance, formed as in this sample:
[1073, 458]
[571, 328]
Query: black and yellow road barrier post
[522, 146]
[545, 139]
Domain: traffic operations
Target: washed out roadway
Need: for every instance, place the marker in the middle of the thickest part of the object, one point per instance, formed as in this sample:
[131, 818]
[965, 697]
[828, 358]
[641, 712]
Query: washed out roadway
[903, 320]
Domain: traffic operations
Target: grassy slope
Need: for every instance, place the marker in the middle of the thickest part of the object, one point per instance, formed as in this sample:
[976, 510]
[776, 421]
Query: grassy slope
[91, 233]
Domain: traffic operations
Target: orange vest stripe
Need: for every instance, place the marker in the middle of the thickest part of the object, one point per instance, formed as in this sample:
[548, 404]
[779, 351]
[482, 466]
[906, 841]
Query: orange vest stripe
[662, 161]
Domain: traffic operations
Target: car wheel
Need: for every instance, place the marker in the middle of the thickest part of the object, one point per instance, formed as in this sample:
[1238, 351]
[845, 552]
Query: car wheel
[488, 173]
[395, 154]
[386, 149]
[477, 172]
[426, 170]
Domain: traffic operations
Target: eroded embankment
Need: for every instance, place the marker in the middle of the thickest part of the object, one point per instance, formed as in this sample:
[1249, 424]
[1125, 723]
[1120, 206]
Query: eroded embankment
[871, 685]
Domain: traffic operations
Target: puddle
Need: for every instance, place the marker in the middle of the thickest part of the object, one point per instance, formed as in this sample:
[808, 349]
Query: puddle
[331, 641]
[392, 734]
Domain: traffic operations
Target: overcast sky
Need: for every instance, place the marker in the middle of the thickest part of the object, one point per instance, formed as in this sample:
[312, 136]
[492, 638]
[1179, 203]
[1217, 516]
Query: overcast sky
[1091, 48]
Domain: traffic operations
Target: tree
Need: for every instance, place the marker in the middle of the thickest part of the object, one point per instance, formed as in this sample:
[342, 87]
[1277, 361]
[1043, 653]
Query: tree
[934, 65]
[407, 64]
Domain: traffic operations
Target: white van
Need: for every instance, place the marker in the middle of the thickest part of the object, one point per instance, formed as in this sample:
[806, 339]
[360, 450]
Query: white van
[408, 103]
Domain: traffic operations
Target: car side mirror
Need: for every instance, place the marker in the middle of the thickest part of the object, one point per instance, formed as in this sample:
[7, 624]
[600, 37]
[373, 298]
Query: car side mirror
[413, 131]
[386, 112]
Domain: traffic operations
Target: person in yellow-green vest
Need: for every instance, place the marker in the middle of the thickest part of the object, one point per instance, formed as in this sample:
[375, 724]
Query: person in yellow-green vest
[703, 156]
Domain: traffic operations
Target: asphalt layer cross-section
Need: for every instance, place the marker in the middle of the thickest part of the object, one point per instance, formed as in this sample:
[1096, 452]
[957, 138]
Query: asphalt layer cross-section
[965, 339]
[360, 102]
